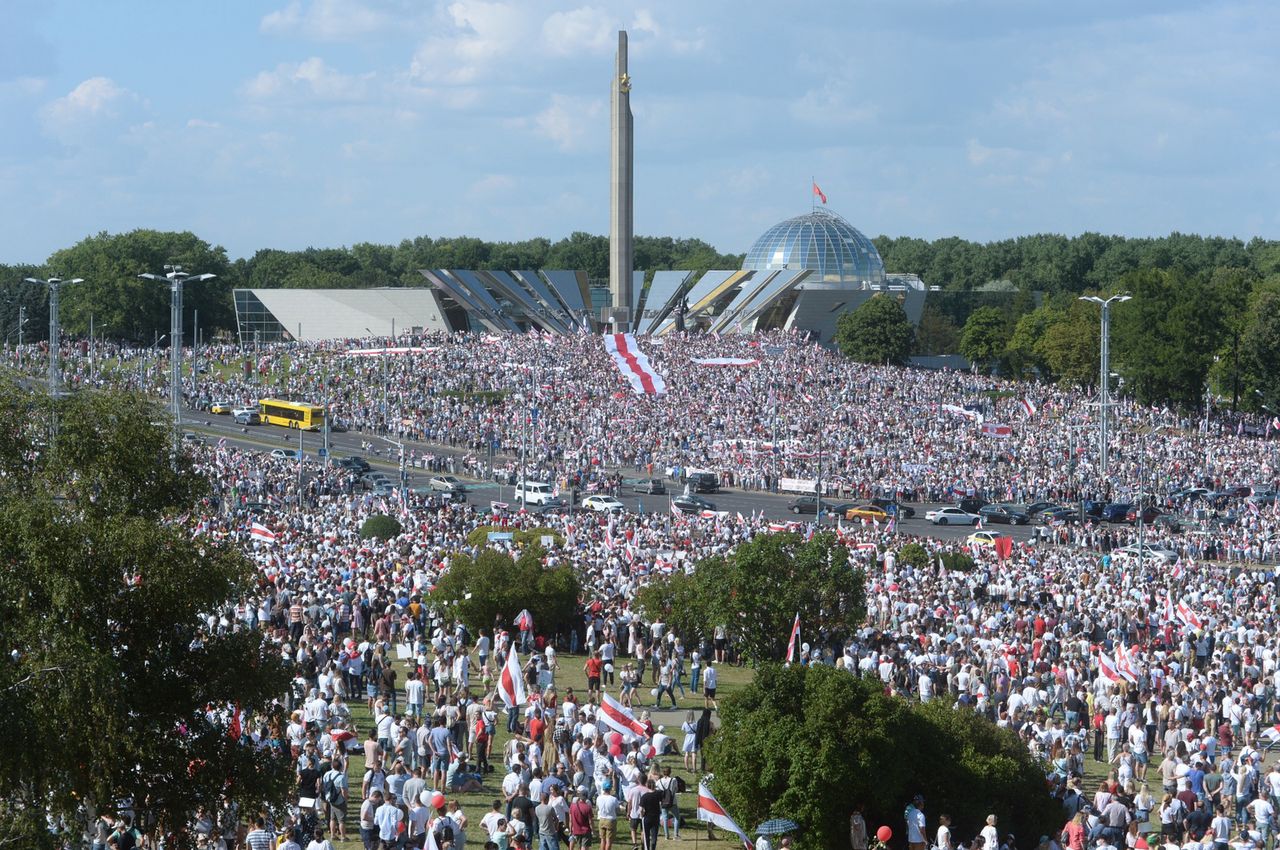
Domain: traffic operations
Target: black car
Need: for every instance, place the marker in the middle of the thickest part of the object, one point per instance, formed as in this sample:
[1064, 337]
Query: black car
[688, 503]
[703, 482]
[1056, 515]
[1039, 507]
[803, 505]
[971, 505]
[1116, 512]
[652, 486]
[894, 508]
[1006, 514]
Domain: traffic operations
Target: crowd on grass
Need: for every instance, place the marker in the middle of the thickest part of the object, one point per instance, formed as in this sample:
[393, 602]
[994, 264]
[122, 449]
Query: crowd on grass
[1163, 675]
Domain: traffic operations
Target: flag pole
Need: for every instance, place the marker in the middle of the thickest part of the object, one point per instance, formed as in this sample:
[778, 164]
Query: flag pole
[813, 205]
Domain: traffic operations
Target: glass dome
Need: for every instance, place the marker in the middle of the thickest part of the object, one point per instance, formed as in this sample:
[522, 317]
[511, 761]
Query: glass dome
[822, 241]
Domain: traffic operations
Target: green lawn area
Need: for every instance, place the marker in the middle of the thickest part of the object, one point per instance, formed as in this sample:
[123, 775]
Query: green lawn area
[570, 675]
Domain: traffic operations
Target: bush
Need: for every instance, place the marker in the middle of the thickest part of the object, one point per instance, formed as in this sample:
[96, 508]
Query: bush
[958, 561]
[495, 585]
[479, 537]
[913, 555]
[806, 742]
[380, 527]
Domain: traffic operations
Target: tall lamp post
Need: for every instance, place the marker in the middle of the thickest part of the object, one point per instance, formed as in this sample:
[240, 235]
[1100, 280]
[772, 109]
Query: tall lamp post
[55, 336]
[176, 277]
[1105, 383]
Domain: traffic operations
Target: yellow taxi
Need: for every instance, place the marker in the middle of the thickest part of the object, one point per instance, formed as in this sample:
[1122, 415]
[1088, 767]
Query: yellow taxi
[870, 512]
[985, 538]
[222, 407]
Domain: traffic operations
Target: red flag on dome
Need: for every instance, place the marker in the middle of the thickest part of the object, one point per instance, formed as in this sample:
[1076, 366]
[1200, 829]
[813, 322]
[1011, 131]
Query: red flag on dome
[819, 192]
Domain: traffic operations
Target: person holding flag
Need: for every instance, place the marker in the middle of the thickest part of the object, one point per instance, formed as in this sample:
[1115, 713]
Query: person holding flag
[511, 688]
[712, 813]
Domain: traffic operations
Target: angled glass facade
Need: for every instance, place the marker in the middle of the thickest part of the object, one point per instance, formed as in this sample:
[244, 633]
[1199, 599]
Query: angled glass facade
[832, 249]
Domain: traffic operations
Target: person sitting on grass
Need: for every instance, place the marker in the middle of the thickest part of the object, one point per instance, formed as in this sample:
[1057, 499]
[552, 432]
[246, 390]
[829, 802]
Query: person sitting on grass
[460, 779]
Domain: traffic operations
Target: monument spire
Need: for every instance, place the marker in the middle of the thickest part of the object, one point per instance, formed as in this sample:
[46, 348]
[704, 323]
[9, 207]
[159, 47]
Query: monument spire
[621, 234]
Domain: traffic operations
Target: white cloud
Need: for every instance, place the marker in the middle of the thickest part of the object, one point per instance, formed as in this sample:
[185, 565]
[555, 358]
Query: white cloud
[572, 123]
[475, 36]
[493, 184]
[327, 20]
[311, 78]
[587, 28]
[202, 124]
[92, 104]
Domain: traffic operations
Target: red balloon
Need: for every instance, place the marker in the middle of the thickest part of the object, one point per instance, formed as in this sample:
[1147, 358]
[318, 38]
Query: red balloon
[884, 833]
[437, 800]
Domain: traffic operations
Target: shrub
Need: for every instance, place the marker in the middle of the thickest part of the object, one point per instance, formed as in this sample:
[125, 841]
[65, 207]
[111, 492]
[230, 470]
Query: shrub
[958, 561]
[913, 555]
[380, 527]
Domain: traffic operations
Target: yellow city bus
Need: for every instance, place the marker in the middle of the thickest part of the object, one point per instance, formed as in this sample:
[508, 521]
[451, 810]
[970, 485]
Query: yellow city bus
[291, 414]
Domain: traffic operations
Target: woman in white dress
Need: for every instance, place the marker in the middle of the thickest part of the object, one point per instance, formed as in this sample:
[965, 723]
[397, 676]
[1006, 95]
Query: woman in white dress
[689, 745]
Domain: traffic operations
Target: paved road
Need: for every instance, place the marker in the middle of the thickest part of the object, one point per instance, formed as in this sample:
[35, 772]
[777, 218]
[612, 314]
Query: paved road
[267, 437]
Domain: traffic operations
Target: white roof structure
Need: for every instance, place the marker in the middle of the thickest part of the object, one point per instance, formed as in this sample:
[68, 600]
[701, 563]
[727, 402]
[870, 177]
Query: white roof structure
[322, 314]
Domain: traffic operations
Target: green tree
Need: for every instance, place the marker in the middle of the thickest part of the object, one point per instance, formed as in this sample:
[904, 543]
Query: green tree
[878, 331]
[103, 602]
[380, 526]
[1165, 338]
[985, 336]
[121, 304]
[756, 591]
[1260, 347]
[1069, 346]
[803, 742]
[493, 584]
[1022, 352]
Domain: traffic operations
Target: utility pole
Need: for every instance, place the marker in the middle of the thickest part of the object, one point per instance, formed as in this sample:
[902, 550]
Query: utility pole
[1104, 384]
[176, 277]
[55, 285]
[22, 321]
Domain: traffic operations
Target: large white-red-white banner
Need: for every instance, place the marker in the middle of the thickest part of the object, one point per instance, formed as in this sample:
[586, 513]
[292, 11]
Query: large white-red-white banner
[617, 717]
[634, 364]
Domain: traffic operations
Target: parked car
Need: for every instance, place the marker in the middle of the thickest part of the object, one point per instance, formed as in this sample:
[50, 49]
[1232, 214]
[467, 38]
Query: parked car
[1006, 514]
[603, 504]
[1115, 512]
[951, 516]
[689, 503]
[220, 407]
[374, 480]
[985, 538]
[1148, 552]
[651, 486]
[703, 482]
[803, 505]
[1149, 514]
[1056, 515]
[971, 505]
[536, 493]
[248, 417]
[894, 508]
[1034, 509]
[866, 512]
[446, 484]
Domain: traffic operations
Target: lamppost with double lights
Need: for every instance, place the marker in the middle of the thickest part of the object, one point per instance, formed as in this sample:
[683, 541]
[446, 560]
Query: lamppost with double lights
[1105, 383]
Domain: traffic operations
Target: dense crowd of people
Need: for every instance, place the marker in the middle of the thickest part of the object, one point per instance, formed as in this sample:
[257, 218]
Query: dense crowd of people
[1163, 675]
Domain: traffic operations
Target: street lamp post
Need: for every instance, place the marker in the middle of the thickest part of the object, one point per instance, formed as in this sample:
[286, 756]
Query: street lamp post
[1105, 384]
[176, 277]
[55, 285]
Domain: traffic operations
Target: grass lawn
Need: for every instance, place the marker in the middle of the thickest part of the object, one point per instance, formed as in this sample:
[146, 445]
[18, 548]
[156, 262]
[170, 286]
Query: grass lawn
[570, 675]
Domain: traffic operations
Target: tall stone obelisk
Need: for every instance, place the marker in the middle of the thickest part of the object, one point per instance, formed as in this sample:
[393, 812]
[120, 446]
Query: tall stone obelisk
[621, 251]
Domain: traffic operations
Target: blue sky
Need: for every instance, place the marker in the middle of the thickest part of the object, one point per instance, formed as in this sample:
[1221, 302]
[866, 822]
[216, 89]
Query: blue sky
[289, 123]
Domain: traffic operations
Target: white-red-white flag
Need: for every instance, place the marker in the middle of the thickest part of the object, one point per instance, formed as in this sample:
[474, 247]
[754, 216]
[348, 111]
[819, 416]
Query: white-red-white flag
[794, 641]
[619, 718]
[510, 684]
[710, 811]
[1107, 668]
[261, 534]
[1029, 407]
[1186, 615]
[634, 364]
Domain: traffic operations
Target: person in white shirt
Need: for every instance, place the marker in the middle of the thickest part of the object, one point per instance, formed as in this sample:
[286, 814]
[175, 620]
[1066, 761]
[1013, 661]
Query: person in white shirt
[990, 836]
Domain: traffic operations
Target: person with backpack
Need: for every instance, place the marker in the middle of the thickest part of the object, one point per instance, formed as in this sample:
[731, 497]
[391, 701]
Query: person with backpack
[334, 790]
[125, 836]
[668, 786]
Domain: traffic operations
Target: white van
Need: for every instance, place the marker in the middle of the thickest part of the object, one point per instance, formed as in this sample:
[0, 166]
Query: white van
[535, 493]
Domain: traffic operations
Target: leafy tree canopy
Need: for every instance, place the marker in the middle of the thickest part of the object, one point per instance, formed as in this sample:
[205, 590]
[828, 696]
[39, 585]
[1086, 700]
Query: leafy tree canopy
[756, 591]
[804, 742]
[878, 331]
[103, 605]
[494, 585]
